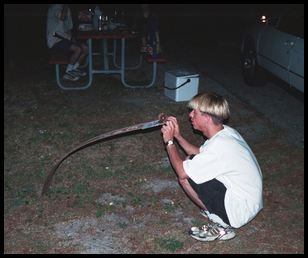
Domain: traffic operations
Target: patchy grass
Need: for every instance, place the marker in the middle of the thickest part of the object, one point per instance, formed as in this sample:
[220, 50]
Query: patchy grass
[121, 196]
[169, 244]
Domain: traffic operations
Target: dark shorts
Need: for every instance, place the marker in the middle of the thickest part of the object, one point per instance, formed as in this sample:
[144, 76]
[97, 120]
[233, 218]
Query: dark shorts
[63, 45]
[212, 194]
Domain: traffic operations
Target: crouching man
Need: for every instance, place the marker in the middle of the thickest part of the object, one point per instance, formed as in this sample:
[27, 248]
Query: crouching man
[222, 177]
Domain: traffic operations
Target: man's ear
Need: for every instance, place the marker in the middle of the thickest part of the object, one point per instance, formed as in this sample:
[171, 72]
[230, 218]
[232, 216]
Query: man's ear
[207, 117]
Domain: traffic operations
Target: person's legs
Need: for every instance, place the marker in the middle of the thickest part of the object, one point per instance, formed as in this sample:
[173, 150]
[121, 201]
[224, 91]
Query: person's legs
[76, 52]
[70, 69]
[66, 47]
[80, 53]
[192, 193]
[212, 195]
[84, 53]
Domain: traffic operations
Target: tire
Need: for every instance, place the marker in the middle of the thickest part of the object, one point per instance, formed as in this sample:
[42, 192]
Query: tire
[253, 74]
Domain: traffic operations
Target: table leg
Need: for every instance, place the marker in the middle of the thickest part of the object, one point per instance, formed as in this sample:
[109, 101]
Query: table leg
[105, 55]
[122, 69]
[90, 58]
[134, 67]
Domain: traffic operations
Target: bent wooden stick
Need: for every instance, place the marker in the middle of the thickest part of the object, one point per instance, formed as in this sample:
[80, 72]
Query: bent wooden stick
[142, 126]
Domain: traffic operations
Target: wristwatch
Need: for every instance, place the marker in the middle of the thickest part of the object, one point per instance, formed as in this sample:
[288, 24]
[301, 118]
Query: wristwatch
[169, 143]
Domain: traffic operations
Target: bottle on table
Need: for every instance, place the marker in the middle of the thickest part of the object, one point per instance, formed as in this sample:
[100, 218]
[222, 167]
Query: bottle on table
[97, 14]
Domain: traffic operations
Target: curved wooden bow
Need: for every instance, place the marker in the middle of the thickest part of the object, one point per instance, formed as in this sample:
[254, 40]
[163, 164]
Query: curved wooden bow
[161, 120]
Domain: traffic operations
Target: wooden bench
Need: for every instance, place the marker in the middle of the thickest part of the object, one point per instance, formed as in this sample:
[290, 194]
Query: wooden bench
[159, 59]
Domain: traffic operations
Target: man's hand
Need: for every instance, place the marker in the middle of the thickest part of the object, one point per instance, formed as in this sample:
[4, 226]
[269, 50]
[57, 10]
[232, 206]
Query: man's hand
[175, 126]
[170, 129]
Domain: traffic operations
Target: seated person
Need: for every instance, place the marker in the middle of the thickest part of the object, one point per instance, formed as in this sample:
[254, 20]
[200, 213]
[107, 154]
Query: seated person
[150, 41]
[59, 37]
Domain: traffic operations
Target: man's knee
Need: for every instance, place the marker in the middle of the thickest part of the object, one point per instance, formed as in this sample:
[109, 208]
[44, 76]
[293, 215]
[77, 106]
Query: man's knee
[76, 49]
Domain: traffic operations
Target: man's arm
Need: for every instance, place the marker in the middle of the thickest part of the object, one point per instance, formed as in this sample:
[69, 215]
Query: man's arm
[170, 130]
[188, 147]
[176, 161]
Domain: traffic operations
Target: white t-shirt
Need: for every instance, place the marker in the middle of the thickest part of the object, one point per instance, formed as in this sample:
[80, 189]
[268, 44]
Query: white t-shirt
[227, 157]
[54, 24]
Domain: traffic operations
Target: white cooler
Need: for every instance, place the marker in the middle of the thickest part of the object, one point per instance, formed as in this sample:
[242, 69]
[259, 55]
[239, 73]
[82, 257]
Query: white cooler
[173, 81]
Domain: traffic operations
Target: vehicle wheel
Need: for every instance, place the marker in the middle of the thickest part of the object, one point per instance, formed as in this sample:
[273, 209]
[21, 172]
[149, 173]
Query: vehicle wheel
[253, 74]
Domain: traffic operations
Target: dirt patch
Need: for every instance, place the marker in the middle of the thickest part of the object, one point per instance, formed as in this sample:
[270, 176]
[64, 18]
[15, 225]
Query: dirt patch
[93, 235]
[159, 185]
[121, 195]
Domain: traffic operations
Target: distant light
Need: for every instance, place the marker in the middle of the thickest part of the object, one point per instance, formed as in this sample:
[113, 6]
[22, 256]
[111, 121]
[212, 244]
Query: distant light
[263, 19]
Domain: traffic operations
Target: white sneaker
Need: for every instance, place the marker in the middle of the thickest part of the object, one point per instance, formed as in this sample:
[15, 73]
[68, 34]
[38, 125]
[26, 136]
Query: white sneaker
[78, 72]
[211, 231]
[70, 76]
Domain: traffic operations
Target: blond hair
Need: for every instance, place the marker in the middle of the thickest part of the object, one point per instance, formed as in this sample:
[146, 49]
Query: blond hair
[212, 104]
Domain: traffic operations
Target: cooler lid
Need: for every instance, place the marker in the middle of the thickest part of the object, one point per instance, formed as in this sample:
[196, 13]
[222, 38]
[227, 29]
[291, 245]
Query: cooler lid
[183, 73]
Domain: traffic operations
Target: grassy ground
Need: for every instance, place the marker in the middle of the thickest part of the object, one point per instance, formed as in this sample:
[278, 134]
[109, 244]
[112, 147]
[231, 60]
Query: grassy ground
[121, 195]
